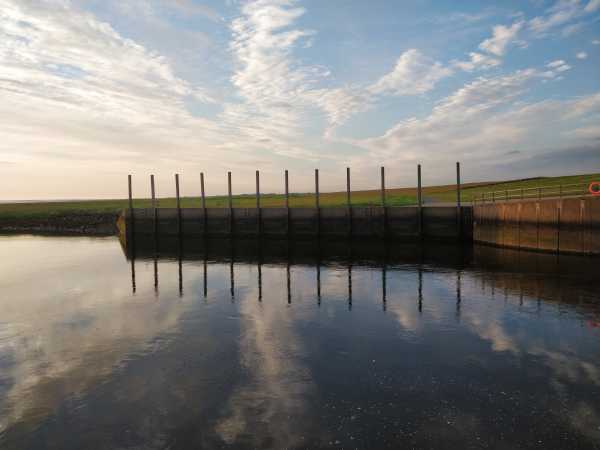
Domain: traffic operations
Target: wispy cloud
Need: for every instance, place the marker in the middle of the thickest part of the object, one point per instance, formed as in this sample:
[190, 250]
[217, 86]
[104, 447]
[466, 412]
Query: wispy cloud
[562, 13]
[502, 37]
[413, 74]
[479, 122]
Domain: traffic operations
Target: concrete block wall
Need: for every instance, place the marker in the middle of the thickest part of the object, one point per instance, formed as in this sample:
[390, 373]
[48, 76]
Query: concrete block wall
[367, 222]
[568, 225]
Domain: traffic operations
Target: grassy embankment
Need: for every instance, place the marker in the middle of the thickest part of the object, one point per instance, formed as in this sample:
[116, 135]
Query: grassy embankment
[395, 197]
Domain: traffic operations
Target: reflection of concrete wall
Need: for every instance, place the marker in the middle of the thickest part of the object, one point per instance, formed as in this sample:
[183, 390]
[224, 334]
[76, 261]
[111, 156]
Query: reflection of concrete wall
[395, 222]
[569, 225]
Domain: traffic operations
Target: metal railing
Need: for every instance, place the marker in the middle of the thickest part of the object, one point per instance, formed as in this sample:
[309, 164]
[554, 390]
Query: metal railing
[535, 192]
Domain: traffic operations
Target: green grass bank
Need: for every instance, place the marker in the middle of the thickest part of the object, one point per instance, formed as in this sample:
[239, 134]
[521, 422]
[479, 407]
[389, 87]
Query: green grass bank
[88, 215]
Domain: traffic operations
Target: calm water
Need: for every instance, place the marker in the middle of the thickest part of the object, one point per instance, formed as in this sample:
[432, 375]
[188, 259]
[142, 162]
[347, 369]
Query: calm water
[391, 347]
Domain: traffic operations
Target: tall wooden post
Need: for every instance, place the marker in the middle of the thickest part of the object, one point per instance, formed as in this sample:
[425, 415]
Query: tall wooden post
[130, 225]
[258, 228]
[287, 190]
[458, 184]
[458, 205]
[230, 200]
[287, 204]
[317, 202]
[202, 193]
[385, 219]
[154, 209]
[203, 196]
[178, 202]
[383, 186]
[317, 188]
[349, 201]
[419, 200]
[257, 190]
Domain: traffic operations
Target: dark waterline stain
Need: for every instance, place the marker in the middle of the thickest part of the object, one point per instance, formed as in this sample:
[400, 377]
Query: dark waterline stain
[253, 345]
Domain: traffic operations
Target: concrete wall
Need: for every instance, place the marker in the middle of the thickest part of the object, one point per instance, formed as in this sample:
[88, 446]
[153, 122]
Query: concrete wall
[569, 225]
[368, 222]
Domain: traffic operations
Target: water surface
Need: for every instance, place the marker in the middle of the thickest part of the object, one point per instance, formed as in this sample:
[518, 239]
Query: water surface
[248, 345]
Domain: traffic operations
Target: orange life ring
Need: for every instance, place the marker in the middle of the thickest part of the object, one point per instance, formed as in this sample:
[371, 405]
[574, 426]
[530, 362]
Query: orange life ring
[594, 188]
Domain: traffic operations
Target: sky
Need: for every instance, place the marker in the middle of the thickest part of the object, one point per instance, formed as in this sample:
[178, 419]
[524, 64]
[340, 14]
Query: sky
[94, 90]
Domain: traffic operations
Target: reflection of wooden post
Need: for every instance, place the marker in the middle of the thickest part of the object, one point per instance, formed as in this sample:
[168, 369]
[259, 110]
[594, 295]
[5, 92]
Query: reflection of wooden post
[384, 286]
[419, 200]
[317, 202]
[289, 283]
[205, 277]
[258, 228]
[180, 268]
[319, 282]
[259, 280]
[349, 286]
[349, 201]
[230, 203]
[232, 279]
[420, 289]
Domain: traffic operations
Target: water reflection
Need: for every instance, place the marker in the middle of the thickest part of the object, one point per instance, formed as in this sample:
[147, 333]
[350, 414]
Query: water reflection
[288, 271]
[294, 346]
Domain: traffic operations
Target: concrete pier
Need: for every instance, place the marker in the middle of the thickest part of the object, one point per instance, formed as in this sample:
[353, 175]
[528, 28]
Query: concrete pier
[558, 225]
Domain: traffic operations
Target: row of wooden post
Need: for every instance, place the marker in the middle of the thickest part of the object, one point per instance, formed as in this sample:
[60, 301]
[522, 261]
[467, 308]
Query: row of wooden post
[287, 193]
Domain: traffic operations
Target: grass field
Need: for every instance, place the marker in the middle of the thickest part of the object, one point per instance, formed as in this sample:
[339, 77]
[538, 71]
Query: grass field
[394, 197]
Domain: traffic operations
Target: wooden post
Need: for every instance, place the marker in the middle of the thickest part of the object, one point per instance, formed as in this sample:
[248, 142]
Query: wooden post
[287, 190]
[130, 192]
[178, 202]
[419, 200]
[203, 196]
[287, 204]
[202, 191]
[317, 188]
[257, 190]
[383, 186]
[317, 202]
[348, 198]
[230, 203]
[385, 220]
[154, 210]
[458, 184]
[349, 201]
[152, 191]
[458, 206]
[258, 202]
[131, 225]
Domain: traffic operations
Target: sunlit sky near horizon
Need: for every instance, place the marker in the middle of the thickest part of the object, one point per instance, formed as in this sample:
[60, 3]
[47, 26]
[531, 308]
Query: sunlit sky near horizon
[91, 90]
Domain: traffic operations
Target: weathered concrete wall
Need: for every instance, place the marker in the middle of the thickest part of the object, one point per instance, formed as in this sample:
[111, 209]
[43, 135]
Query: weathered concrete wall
[392, 222]
[569, 225]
